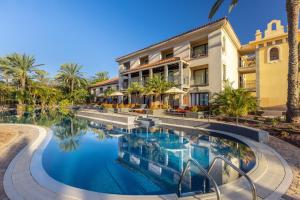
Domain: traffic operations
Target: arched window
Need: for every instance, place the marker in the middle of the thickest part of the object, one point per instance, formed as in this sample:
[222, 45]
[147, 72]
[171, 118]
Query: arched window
[274, 26]
[274, 54]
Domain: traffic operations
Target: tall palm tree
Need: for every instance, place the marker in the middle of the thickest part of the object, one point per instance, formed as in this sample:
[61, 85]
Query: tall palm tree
[70, 75]
[22, 67]
[100, 76]
[292, 10]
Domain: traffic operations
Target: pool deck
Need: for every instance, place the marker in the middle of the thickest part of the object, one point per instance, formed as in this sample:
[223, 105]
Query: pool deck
[26, 179]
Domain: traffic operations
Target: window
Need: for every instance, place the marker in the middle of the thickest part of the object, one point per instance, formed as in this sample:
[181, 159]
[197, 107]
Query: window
[201, 77]
[274, 54]
[101, 90]
[199, 50]
[144, 60]
[126, 65]
[199, 99]
[274, 26]
[224, 72]
[260, 45]
[167, 54]
[269, 43]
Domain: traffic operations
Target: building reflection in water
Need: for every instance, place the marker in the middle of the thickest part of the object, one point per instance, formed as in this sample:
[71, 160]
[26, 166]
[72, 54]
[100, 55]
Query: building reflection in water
[161, 154]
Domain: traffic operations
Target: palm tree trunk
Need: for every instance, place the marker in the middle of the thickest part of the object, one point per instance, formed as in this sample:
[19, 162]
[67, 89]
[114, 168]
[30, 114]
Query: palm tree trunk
[292, 9]
[72, 85]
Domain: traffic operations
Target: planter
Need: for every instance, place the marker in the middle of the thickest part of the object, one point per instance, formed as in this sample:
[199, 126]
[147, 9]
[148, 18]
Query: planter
[197, 115]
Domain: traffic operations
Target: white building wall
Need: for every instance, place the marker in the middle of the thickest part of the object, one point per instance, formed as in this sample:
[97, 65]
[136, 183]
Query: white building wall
[230, 58]
[214, 62]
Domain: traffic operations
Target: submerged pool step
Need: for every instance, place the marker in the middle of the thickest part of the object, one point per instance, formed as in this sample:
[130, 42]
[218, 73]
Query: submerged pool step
[132, 183]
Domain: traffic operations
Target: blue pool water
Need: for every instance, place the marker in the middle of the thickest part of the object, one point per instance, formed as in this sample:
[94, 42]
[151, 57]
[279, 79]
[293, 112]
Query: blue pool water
[92, 156]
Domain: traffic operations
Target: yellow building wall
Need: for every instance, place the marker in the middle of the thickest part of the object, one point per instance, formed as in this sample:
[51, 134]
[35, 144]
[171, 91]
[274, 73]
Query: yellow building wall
[272, 77]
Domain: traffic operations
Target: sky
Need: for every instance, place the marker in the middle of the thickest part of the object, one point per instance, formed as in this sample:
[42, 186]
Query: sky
[93, 33]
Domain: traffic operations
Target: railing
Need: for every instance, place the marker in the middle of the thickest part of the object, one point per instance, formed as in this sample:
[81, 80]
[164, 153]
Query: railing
[249, 84]
[217, 190]
[199, 55]
[248, 61]
[254, 194]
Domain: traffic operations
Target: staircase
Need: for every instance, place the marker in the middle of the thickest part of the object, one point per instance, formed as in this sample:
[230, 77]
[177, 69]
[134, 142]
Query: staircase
[207, 174]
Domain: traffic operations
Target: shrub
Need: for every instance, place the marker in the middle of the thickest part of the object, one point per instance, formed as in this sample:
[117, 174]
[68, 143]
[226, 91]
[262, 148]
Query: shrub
[165, 106]
[234, 102]
[284, 134]
[194, 109]
[64, 103]
[203, 108]
[153, 107]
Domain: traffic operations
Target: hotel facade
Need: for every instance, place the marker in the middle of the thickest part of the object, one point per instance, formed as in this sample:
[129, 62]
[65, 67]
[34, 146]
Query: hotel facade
[199, 61]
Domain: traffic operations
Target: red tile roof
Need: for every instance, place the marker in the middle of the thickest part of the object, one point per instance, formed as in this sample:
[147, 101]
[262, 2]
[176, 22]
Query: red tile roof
[192, 30]
[111, 81]
[146, 66]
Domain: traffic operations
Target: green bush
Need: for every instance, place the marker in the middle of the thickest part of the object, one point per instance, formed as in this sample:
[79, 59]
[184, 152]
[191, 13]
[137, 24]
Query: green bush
[64, 103]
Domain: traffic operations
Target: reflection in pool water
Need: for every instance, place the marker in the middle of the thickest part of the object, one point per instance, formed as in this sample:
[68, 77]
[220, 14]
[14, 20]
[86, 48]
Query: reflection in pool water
[97, 157]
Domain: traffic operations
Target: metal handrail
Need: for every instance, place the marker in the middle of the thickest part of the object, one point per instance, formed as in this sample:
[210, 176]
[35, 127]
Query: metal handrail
[202, 170]
[254, 194]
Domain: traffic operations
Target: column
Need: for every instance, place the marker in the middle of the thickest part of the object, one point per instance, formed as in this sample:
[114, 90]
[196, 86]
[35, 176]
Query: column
[120, 82]
[181, 82]
[129, 79]
[150, 73]
[141, 77]
[166, 73]
[129, 82]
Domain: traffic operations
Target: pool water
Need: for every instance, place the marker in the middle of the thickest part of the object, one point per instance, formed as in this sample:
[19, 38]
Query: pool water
[102, 158]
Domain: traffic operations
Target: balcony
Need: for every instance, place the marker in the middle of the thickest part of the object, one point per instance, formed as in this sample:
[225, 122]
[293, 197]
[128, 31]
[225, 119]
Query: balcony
[249, 85]
[196, 55]
[247, 63]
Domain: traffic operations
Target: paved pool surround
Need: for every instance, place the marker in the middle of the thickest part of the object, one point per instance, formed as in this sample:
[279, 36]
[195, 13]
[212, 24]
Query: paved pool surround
[25, 177]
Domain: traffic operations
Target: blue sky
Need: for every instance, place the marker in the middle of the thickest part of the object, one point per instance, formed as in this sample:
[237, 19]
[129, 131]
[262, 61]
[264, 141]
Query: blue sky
[94, 32]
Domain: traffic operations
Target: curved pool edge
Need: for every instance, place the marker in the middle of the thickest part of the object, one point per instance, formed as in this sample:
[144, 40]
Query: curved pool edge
[26, 176]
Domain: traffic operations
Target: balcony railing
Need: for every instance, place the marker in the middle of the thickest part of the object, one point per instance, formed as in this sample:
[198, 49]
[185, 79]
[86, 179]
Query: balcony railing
[251, 85]
[248, 61]
[199, 55]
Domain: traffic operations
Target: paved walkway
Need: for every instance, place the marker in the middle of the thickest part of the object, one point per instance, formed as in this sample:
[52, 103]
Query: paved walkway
[12, 140]
[292, 155]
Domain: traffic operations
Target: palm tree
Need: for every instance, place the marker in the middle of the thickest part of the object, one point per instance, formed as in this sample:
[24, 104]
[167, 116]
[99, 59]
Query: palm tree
[292, 9]
[234, 102]
[158, 85]
[100, 76]
[70, 76]
[21, 67]
[135, 88]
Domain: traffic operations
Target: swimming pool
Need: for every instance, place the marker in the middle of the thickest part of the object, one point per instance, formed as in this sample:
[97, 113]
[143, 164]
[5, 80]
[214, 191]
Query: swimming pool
[102, 158]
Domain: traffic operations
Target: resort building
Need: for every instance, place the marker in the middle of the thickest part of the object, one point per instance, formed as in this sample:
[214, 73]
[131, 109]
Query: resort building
[99, 89]
[200, 60]
[264, 66]
[197, 61]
